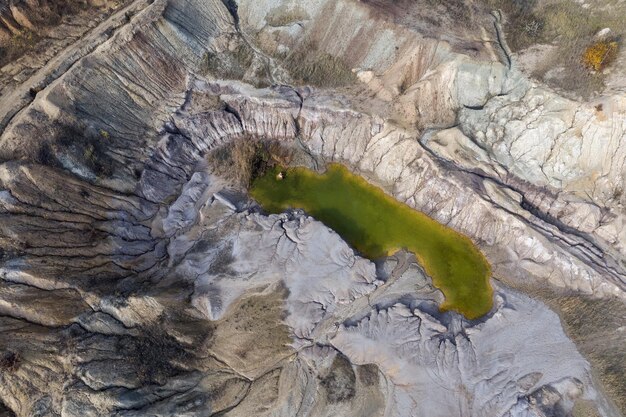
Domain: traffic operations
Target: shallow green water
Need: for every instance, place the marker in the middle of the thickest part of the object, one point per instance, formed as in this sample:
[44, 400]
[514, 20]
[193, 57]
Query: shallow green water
[377, 225]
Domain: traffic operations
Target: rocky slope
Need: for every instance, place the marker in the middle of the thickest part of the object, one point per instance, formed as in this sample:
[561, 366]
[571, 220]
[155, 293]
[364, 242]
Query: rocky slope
[137, 282]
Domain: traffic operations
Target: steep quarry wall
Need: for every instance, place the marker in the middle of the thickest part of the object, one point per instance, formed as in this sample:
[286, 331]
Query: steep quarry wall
[134, 281]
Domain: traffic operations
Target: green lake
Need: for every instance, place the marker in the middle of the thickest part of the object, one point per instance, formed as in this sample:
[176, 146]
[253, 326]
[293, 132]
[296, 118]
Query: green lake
[377, 225]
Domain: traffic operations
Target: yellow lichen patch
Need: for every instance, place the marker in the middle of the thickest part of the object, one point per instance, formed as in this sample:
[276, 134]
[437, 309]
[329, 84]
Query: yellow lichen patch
[600, 54]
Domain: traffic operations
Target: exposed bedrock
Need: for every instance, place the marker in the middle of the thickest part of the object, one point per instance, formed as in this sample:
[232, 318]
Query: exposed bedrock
[522, 240]
[134, 281]
[254, 314]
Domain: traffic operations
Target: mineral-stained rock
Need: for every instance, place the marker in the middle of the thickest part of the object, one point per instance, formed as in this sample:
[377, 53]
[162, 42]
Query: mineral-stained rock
[135, 281]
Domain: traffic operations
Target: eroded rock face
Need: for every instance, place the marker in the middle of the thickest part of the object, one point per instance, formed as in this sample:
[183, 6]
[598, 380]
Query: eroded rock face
[134, 281]
[276, 298]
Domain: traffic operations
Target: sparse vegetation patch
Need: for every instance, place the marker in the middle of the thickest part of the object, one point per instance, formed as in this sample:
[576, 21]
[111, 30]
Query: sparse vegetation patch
[10, 361]
[340, 381]
[229, 64]
[154, 355]
[245, 159]
[47, 14]
[17, 46]
[523, 26]
[284, 15]
[600, 54]
[75, 142]
[311, 66]
[579, 56]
